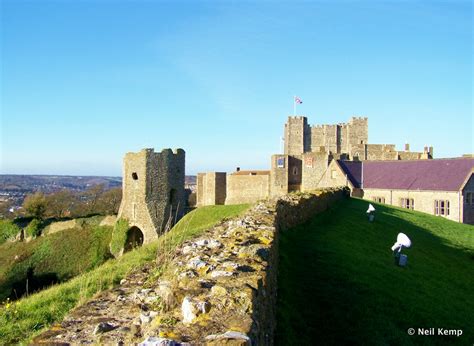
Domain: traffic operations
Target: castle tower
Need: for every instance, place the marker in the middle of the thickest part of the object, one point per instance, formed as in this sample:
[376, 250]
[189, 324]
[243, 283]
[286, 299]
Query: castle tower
[153, 196]
[297, 136]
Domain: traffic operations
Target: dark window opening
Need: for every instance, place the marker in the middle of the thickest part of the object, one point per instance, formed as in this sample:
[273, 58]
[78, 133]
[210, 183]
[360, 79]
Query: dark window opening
[134, 176]
[172, 197]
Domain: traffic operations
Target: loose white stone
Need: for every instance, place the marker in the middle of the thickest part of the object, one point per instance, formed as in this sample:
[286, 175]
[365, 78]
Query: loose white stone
[202, 242]
[188, 309]
[187, 249]
[154, 341]
[230, 334]
[196, 263]
[145, 318]
[217, 273]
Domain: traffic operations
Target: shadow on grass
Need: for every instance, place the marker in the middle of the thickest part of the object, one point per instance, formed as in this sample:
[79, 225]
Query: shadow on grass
[338, 284]
[31, 283]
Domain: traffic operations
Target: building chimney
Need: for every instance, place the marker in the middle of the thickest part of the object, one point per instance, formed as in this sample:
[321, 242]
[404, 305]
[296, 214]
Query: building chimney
[407, 147]
[431, 151]
[425, 150]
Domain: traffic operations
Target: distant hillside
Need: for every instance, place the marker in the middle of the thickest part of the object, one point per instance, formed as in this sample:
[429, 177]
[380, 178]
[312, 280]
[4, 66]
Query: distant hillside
[15, 187]
[52, 183]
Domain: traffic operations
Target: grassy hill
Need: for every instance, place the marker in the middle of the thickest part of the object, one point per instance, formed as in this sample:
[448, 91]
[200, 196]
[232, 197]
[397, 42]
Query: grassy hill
[21, 320]
[51, 259]
[338, 283]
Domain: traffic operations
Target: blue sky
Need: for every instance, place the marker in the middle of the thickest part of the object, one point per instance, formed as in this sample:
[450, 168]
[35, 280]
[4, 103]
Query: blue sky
[83, 82]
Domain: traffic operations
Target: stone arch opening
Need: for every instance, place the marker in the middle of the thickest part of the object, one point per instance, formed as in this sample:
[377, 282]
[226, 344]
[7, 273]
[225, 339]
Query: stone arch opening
[134, 239]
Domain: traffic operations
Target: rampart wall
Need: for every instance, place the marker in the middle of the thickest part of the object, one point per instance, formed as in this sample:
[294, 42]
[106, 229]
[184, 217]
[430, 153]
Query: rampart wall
[247, 188]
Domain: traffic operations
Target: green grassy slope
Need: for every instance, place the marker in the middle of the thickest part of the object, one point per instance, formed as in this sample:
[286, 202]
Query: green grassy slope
[53, 258]
[338, 283]
[27, 317]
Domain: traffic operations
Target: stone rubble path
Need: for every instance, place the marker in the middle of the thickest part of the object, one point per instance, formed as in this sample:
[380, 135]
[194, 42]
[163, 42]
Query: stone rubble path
[207, 294]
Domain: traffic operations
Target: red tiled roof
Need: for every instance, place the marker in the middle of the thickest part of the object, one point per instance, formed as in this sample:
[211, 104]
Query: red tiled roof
[433, 175]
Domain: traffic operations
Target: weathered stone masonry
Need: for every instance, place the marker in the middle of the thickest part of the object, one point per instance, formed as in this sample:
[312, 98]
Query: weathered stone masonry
[303, 166]
[153, 196]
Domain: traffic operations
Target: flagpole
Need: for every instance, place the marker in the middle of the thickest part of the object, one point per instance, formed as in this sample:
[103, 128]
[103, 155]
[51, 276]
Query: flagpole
[294, 105]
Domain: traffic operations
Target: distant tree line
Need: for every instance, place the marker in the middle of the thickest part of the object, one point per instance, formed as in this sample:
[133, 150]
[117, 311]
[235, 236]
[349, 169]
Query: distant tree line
[96, 200]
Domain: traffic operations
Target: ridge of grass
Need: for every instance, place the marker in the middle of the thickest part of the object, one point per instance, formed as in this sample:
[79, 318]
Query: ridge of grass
[22, 320]
[338, 283]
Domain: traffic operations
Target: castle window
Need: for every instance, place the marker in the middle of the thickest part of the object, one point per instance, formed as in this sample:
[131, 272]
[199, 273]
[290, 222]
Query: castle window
[172, 196]
[379, 199]
[469, 198]
[407, 203]
[134, 176]
[333, 174]
[441, 207]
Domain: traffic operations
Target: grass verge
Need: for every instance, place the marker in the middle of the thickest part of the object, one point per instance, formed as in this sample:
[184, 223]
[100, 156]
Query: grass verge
[25, 318]
[338, 283]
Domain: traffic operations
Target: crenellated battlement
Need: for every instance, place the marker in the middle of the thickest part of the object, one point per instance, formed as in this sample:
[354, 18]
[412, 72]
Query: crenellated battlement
[335, 138]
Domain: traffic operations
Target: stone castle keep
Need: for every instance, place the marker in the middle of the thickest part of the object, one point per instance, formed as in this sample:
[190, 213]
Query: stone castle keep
[303, 166]
[153, 196]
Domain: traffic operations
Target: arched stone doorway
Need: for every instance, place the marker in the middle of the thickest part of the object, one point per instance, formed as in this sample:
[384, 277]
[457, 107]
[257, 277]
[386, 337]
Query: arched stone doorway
[134, 239]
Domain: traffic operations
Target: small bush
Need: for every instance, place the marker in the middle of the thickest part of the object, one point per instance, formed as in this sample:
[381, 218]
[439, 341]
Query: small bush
[119, 237]
[7, 230]
[34, 228]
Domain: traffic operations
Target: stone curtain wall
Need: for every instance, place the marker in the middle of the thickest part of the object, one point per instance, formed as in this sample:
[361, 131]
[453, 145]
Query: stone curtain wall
[293, 210]
[247, 188]
[59, 226]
